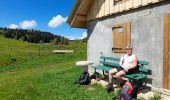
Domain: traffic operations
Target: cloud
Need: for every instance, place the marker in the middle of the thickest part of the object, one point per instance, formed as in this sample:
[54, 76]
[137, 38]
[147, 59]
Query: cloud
[13, 26]
[56, 21]
[84, 34]
[71, 37]
[28, 24]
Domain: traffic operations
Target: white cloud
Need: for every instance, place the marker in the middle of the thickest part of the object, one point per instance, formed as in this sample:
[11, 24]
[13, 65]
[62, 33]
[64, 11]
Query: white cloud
[28, 24]
[13, 26]
[71, 37]
[76, 37]
[56, 21]
[83, 35]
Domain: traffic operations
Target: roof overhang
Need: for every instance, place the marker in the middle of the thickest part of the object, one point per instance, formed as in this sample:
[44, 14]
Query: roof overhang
[78, 15]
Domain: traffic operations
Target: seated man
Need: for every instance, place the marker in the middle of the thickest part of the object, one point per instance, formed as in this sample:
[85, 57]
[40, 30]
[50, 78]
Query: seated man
[127, 62]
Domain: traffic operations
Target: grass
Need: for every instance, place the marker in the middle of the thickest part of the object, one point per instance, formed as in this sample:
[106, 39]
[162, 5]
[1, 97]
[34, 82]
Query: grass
[15, 52]
[46, 76]
[157, 96]
[51, 81]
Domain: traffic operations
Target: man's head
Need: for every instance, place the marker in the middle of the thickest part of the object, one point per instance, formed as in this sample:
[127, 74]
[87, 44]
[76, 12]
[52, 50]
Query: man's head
[129, 50]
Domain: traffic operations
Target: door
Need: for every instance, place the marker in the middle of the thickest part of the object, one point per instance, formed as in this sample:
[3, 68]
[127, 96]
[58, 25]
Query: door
[121, 37]
[166, 58]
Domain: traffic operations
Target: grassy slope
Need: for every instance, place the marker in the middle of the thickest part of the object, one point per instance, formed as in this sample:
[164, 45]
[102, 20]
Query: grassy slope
[46, 77]
[11, 49]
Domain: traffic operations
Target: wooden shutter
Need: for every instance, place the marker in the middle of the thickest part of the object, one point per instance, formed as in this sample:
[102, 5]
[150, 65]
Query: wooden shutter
[121, 37]
[166, 59]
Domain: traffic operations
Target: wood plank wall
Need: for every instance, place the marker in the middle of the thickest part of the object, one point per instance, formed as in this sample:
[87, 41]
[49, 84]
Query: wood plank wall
[102, 8]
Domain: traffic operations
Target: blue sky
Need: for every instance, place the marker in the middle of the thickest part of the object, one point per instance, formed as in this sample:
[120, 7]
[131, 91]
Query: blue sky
[44, 15]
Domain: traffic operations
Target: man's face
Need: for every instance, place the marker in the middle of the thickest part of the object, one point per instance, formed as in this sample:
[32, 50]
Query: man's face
[129, 51]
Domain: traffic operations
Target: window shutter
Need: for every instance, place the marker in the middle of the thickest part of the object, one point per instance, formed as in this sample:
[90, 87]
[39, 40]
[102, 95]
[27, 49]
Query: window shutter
[121, 37]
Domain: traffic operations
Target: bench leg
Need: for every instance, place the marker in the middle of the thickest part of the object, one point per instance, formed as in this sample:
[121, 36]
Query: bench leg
[95, 73]
[104, 75]
[103, 72]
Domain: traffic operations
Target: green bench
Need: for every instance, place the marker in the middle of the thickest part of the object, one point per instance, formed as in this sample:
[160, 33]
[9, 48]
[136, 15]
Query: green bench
[107, 63]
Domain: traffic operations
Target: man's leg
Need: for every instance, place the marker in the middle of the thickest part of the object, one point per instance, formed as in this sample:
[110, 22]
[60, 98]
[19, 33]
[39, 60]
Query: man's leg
[118, 75]
[110, 85]
[111, 72]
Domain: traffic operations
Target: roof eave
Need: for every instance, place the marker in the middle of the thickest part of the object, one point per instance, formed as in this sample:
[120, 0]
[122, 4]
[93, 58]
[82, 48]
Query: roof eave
[73, 11]
[75, 16]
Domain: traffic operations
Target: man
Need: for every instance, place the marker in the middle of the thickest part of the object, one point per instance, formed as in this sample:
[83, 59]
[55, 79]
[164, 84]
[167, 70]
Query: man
[128, 61]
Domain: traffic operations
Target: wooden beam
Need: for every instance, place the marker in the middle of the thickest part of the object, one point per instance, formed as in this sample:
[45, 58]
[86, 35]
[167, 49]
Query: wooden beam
[129, 4]
[107, 8]
[111, 7]
[117, 8]
[122, 7]
[144, 2]
[81, 17]
[154, 1]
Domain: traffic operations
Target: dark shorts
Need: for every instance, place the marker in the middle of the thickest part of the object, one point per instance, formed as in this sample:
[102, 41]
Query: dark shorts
[119, 68]
[131, 71]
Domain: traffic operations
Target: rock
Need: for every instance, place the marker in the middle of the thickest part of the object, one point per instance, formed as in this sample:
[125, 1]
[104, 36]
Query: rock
[146, 96]
[103, 83]
[93, 81]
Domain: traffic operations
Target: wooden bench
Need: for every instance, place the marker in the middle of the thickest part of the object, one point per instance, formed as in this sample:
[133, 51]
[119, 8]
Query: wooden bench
[108, 63]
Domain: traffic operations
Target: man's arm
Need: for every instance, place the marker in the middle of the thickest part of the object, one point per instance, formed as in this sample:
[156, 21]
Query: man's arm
[135, 63]
[121, 60]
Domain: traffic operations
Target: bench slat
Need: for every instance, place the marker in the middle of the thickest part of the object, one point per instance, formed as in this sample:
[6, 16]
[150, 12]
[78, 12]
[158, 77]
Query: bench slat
[136, 76]
[132, 76]
[118, 59]
[110, 58]
[102, 67]
[109, 63]
[143, 62]
[143, 70]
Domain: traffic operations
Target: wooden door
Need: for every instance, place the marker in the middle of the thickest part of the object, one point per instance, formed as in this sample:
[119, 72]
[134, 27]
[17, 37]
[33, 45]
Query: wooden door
[121, 37]
[166, 58]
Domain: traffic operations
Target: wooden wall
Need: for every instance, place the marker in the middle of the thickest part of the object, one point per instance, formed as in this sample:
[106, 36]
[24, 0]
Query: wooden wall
[102, 8]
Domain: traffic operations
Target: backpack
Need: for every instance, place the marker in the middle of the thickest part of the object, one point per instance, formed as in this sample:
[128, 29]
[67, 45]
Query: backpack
[84, 79]
[128, 92]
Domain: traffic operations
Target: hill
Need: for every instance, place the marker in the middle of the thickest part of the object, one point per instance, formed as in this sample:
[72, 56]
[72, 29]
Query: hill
[33, 36]
[14, 52]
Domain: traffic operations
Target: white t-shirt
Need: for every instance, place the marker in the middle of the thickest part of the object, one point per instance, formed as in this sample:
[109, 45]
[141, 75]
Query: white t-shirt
[127, 61]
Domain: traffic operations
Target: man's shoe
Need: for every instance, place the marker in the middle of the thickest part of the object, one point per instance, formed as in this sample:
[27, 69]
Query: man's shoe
[110, 87]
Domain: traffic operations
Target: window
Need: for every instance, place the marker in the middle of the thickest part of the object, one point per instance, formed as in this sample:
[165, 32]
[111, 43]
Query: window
[119, 1]
[121, 37]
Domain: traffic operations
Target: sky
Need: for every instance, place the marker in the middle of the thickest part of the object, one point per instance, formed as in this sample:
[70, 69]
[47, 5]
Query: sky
[44, 15]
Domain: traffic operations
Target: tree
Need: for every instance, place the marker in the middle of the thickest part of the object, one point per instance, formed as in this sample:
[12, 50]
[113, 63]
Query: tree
[33, 36]
[55, 42]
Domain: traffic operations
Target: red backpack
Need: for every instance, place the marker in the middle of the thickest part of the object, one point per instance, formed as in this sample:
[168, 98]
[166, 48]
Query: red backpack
[127, 92]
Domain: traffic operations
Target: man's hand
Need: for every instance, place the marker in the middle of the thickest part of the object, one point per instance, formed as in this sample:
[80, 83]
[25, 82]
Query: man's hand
[125, 70]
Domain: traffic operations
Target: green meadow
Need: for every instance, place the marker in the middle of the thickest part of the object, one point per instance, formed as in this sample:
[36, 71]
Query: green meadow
[32, 72]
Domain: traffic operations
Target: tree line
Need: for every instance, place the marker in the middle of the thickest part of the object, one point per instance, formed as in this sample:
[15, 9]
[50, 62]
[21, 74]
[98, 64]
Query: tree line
[33, 36]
